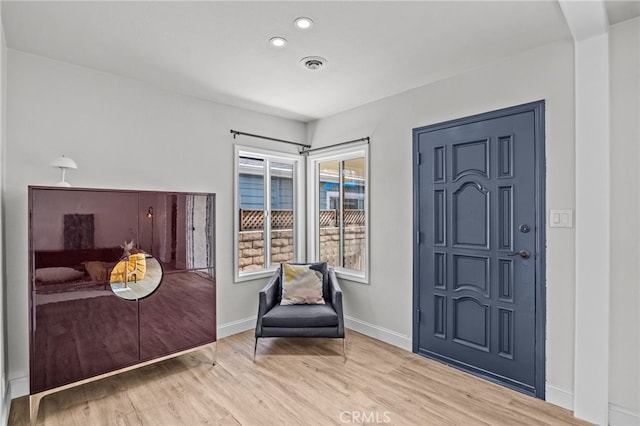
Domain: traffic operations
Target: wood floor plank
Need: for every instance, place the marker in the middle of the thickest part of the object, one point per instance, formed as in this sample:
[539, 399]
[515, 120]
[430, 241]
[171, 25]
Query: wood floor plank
[293, 382]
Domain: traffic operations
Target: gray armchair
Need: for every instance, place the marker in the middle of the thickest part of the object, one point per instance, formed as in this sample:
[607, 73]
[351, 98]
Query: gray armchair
[275, 320]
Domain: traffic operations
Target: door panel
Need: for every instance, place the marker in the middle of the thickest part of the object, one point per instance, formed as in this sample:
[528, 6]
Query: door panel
[476, 257]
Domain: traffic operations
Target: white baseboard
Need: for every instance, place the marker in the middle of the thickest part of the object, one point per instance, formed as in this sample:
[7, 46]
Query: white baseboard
[235, 327]
[19, 387]
[560, 397]
[620, 416]
[371, 330]
[388, 336]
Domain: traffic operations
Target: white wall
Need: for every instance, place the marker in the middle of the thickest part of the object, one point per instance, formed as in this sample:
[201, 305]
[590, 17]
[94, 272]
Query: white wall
[624, 379]
[122, 134]
[4, 394]
[386, 304]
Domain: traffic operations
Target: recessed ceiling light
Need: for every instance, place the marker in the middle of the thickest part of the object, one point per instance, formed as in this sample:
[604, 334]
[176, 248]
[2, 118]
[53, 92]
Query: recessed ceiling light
[278, 41]
[313, 63]
[303, 23]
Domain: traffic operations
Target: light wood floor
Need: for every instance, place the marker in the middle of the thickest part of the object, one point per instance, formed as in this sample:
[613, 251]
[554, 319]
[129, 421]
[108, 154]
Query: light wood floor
[293, 381]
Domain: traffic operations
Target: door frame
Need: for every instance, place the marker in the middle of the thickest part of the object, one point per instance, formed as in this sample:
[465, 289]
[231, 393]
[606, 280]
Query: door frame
[538, 109]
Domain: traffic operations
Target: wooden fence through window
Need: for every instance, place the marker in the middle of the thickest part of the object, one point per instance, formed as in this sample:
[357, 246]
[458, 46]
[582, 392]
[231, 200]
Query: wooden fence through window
[253, 220]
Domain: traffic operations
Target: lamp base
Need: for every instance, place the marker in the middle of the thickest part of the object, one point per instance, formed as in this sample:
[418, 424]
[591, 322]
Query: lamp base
[62, 181]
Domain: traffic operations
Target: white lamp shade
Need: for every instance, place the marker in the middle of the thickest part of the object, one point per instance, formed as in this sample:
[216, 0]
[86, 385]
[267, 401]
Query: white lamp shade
[64, 162]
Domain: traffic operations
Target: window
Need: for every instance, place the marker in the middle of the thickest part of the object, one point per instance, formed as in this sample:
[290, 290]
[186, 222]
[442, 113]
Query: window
[338, 211]
[268, 212]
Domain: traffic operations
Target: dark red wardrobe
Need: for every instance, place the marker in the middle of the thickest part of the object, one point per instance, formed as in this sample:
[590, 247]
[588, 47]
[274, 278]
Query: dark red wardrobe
[83, 321]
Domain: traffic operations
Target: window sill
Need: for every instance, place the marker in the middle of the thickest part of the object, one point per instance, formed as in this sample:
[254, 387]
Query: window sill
[251, 276]
[346, 274]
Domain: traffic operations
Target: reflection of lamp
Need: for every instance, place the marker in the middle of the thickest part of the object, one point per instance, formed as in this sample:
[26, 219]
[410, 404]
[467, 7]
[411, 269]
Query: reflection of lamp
[150, 216]
[63, 163]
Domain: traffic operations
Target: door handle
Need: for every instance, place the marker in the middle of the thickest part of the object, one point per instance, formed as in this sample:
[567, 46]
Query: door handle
[522, 253]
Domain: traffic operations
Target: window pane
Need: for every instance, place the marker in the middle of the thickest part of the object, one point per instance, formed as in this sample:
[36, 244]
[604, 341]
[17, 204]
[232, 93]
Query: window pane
[281, 212]
[329, 214]
[251, 214]
[353, 193]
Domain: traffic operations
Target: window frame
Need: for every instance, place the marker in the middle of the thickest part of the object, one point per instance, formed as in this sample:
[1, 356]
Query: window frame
[298, 206]
[313, 206]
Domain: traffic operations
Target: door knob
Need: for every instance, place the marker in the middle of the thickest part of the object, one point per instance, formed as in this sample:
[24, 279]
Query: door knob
[522, 253]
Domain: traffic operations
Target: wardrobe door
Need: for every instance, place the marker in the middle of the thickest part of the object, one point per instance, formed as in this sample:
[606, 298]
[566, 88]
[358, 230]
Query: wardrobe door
[78, 327]
[180, 314]
[81, 336]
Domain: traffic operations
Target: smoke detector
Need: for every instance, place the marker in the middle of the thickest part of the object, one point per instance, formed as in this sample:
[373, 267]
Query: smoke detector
[313, 63]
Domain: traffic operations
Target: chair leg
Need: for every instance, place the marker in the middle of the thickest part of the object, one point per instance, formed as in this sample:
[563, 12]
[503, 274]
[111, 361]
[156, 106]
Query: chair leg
[344, 348]
[255, 348]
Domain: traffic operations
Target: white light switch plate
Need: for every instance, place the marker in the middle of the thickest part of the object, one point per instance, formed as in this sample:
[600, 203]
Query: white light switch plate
[561, 218]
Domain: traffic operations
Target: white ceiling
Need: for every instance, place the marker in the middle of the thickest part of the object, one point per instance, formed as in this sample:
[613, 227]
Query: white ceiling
[219, 51]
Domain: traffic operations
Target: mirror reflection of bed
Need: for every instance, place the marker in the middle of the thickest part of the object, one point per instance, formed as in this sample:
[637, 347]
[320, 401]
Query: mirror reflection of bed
[136, 276]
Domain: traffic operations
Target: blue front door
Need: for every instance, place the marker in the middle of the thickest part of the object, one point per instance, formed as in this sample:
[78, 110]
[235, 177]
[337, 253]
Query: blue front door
[478, 290]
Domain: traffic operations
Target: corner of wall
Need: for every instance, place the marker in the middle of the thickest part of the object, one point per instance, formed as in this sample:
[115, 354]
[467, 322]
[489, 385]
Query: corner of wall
[588, 24]
[5, 394]
[5, 400]
[560, 397]
[18, 387]
[620, 416]
[235, 327]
